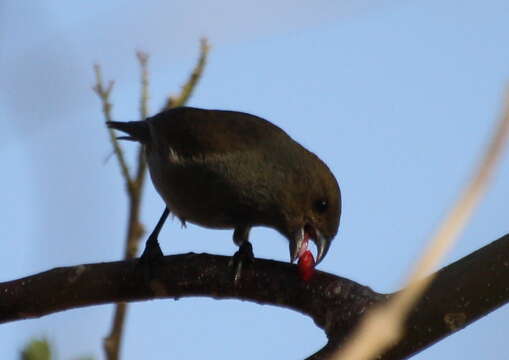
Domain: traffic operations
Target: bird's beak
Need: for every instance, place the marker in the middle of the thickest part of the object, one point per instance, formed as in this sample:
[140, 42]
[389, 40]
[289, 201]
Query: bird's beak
[322, 244]
[299, 243]
[296, 244]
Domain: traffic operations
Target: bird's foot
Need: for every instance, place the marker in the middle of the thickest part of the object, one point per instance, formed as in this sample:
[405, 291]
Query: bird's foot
[242, 257]
[150, 258]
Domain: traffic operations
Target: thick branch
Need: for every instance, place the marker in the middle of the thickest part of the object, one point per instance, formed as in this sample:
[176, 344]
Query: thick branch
[462, 292]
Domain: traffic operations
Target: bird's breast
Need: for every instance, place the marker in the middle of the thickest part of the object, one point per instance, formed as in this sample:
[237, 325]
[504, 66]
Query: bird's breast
[211, 191]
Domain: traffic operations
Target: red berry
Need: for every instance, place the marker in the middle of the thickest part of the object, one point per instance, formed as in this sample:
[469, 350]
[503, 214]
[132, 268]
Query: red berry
[306, 265]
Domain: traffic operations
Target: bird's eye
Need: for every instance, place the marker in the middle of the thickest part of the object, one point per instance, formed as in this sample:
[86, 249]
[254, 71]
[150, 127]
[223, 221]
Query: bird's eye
[321, 205]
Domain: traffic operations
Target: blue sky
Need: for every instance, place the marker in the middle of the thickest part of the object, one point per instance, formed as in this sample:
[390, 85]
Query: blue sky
[399, 98]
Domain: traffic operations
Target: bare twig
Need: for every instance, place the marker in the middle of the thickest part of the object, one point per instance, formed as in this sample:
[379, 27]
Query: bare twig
[188, 87]
[142, 164]
[384, 326]
[135, 229]
[143, 60]
[104, 95]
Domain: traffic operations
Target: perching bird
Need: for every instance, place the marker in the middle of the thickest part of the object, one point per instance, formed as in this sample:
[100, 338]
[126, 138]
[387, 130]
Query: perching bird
[232, 170]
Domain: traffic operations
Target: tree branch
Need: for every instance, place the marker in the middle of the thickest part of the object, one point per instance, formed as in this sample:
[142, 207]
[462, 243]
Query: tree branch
[461, 293]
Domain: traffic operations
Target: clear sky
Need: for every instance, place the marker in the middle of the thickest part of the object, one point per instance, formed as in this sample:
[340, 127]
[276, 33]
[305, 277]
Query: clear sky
[397, 97]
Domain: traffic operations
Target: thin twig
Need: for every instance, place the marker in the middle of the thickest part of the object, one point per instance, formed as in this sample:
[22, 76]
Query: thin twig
[135, 229]
[104, 96]
[142, 164]
[143, 61]
[111, 343]
[383, 326]
[188, 87]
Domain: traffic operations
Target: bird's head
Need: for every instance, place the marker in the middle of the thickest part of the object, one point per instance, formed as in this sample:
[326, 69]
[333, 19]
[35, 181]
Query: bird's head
[315, 211]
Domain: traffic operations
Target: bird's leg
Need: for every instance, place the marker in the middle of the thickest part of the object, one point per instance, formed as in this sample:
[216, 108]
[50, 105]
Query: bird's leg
[244, 254]
[153, 253]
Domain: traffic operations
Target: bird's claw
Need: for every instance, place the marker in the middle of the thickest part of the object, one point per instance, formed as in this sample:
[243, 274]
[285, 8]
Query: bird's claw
[243, 256]
[150, 258]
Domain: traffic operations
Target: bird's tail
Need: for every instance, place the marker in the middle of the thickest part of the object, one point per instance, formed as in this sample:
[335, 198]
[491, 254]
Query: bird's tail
[137, 130]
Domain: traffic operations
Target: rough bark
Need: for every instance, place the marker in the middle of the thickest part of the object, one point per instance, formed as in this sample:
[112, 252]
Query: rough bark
[463, 292]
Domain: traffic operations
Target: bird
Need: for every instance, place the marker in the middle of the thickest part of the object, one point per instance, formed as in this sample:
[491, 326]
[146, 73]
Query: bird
[225, 169]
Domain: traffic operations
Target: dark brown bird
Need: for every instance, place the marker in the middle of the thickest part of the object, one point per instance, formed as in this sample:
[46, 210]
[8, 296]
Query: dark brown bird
[232, 170]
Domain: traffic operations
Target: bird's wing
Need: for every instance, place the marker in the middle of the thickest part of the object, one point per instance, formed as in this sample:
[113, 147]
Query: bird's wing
[191, 132]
